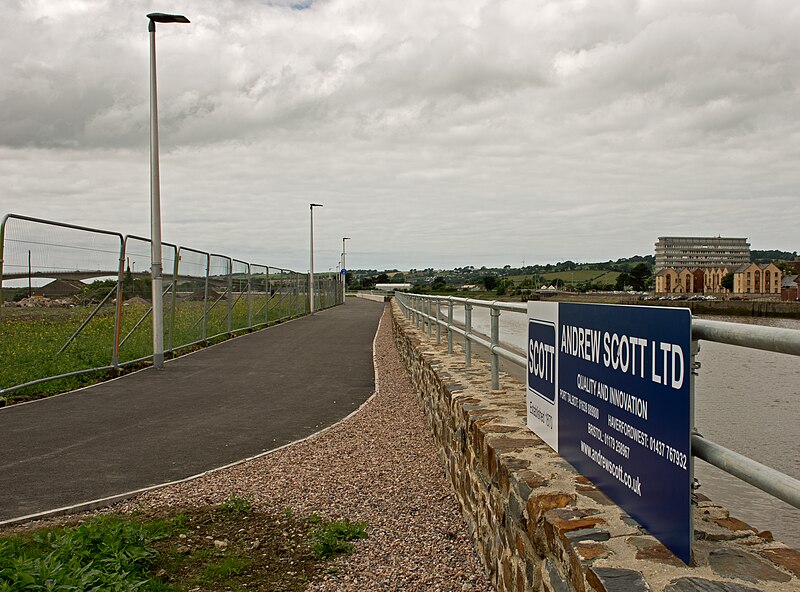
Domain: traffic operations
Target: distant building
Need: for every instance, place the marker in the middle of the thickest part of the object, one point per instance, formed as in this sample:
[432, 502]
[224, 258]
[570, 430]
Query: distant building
[680, 281]
[757, 278]
[60, 288]
[790, 287]
[713, 279]
[692, 252]
[748, 278]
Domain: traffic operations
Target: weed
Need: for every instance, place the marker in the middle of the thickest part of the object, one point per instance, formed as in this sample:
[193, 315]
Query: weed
[103, 553]
[237, 505]
[329, 539]
[166, 551]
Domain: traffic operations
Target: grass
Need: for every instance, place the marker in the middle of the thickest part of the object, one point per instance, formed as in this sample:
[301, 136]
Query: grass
[226, 547]
[329, 539]
[30, 339]
[237, 505]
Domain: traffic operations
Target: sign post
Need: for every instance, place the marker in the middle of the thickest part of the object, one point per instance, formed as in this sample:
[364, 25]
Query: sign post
[609, 390]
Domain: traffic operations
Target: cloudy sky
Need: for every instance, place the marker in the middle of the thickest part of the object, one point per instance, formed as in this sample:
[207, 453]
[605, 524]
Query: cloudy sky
[436, 134]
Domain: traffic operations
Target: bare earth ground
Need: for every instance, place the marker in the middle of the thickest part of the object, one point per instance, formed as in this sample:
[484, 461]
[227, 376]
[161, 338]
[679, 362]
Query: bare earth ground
[379, 466]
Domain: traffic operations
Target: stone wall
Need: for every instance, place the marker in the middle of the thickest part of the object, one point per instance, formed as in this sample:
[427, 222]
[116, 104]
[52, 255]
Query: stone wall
[540, 526]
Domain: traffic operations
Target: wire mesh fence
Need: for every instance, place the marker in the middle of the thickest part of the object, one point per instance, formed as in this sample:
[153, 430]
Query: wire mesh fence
[77, 301]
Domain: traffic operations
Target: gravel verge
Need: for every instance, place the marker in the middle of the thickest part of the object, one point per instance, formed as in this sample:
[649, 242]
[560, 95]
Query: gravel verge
[379, 466]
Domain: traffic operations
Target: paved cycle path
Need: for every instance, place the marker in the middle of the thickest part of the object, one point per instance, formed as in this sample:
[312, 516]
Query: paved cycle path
[202, 411]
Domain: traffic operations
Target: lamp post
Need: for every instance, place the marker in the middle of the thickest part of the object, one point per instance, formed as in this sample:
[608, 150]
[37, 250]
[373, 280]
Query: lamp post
[311, 265]
[344, 269]
[155, 194]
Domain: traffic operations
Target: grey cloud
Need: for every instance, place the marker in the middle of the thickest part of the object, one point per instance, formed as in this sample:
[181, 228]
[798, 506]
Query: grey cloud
[484, 129]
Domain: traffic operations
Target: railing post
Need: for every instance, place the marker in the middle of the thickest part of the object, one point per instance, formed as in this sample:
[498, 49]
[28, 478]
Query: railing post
[450, 325]
[249, 304]
[266, 302]
[695, 366]
[205, 297]
[428, 314]
[230, 295]
[438, 323]
[468, 334]
[174, 307]
[495, 315]
[118, 307]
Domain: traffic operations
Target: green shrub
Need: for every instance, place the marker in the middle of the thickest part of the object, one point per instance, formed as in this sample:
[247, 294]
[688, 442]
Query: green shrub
[237, 505]
[102, 554]
[329, 539]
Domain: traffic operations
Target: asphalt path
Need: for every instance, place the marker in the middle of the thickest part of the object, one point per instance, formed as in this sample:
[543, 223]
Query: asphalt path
[204, 410]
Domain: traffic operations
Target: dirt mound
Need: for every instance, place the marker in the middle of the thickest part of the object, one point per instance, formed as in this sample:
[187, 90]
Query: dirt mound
[136, 301]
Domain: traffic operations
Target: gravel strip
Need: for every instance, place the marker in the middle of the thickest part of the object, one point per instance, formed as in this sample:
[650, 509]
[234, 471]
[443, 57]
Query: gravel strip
[379, 466]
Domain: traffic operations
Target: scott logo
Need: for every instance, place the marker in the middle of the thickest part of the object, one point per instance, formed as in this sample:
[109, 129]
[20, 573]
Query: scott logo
[542, 359]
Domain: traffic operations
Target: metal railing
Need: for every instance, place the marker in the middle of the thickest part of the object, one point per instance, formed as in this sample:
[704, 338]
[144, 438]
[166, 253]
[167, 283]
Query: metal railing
[425, 311]
[206, 296]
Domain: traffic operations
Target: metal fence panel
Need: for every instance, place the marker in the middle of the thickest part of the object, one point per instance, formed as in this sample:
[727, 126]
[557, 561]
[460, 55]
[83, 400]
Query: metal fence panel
[104, 319]
[135, 313]
[220, 303]
[64, 278]
[240, 295]
[189, 326]
[259, 294]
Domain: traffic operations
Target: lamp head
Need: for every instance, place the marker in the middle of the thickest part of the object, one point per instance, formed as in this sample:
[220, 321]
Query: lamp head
[161, 17]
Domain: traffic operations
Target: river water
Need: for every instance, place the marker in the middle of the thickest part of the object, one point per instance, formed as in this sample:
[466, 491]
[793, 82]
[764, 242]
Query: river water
[746, 400]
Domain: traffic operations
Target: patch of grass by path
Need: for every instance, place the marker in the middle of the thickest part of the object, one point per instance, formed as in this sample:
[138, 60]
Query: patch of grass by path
[227, 547]
[329, 539]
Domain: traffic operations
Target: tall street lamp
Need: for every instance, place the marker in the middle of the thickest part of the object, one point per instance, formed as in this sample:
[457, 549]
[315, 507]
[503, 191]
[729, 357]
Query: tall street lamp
[344, 269]
[311, 265]
[155, 194]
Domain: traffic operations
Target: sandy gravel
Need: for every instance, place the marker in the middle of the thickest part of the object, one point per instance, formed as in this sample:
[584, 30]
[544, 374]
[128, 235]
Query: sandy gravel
[379, 466]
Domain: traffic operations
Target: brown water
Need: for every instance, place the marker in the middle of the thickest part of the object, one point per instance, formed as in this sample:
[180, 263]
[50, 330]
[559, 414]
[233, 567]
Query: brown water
[746, 400]
[749, 401]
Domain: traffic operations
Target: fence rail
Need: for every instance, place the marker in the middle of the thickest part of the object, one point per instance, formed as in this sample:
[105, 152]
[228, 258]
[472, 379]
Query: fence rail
[426, 312]
[104, 325]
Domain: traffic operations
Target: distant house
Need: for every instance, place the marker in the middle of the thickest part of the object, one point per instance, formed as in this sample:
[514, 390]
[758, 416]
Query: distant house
[666, 279]
[60, 288]
[685, 281]
[713, 279]
[697, 280]
[680, 281]
[757, 278]
[790, 288]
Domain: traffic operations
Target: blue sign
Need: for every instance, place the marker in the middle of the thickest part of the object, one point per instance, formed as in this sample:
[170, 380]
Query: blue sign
[622, 408]
[541, 359]
[344, 271]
